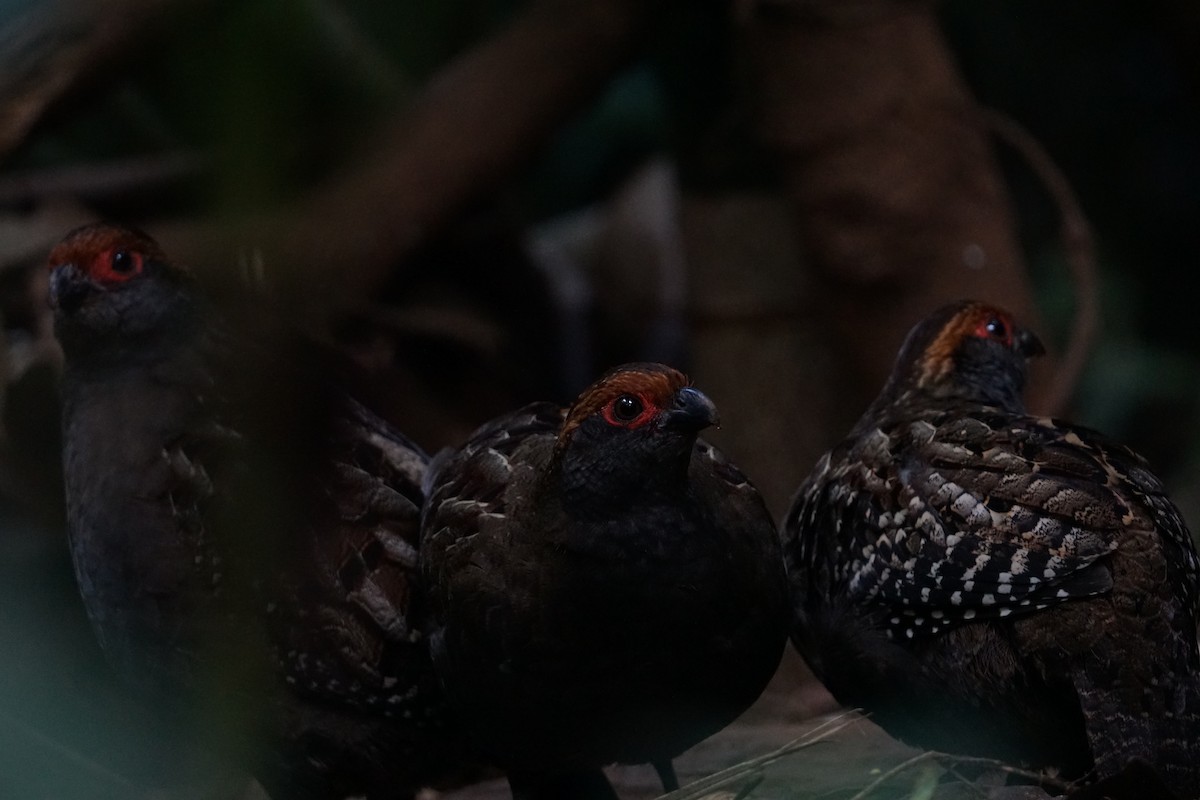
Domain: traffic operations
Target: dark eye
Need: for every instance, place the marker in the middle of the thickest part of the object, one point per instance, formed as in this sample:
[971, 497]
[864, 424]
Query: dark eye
[123, 262]
[996, 328]
[627, 408]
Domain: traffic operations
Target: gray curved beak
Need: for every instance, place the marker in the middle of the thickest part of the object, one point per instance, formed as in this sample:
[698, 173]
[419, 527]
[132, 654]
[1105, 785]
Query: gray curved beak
[1028, 344]
[693, 411]
[68, 288]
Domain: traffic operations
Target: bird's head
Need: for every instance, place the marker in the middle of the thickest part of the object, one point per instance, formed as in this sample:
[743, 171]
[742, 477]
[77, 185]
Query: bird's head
[968, 351]
[107, 280]
[636, 424]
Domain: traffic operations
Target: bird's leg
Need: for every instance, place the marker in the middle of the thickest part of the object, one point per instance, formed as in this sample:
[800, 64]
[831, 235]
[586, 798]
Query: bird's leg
[666, 774]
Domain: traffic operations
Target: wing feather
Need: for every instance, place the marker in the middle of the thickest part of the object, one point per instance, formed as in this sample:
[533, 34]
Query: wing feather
[974, 517]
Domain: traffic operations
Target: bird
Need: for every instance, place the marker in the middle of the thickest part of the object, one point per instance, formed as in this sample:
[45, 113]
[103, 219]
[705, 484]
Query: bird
[986, 581]
[604, 586]
[244, 534]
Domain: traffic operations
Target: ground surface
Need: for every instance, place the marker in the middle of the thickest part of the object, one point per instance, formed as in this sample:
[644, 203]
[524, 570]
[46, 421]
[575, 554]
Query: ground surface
[67, 731]
[855, 754]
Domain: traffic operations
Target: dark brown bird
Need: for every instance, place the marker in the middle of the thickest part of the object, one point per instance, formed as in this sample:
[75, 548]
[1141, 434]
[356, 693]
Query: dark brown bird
[987, 581]
[245, 538]
[605, 586]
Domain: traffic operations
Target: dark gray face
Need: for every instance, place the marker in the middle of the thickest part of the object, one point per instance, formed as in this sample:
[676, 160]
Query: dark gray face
[88, 314]
[969, 351]
[110, 286]
[630, 435]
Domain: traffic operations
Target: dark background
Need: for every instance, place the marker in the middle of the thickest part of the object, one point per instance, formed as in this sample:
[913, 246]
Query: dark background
[238, 107]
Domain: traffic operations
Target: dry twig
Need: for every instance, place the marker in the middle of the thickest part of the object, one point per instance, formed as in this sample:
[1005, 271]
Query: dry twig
[1078, 249]
[751, 768]
[949, 761]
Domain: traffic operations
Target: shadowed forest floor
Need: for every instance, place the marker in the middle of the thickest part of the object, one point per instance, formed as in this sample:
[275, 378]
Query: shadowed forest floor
[68, 733]
[842, 766]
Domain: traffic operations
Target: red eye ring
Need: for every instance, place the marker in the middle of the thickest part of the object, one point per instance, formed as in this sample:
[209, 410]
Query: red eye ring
[629, 410]
[116, 265]
[995, 327]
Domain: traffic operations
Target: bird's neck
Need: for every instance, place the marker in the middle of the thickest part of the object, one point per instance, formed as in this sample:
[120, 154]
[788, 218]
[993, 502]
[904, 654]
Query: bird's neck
[903, 401]
[125, 401]
[600, 485]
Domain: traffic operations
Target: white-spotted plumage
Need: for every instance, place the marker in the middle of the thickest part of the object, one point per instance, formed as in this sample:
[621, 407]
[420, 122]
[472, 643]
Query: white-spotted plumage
[1013, 540]
[981, 578]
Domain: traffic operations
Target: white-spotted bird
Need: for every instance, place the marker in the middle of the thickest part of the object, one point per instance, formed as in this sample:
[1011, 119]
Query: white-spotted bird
[987, 581]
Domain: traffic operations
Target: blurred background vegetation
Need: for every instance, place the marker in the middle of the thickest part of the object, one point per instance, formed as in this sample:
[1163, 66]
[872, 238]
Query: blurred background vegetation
[585, 242]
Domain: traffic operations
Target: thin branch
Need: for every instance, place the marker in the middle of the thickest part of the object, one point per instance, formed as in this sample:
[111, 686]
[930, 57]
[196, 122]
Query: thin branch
[1041, 778]
[950, 761]
[903, 766]
[750, 786]
[1079, 250]
[965, 781]
[707, 785]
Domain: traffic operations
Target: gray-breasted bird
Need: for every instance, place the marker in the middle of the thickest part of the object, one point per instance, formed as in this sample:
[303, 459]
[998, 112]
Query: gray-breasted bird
[244, 536]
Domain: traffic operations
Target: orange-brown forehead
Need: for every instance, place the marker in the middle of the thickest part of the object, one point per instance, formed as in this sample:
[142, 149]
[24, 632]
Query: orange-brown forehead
[81, 247]
[938, 358]
[655, 386]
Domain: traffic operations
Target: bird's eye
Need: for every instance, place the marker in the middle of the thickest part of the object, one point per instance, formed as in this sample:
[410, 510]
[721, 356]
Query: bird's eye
[114, 266]
[627, 408]
[123, 262]
[996, 328]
